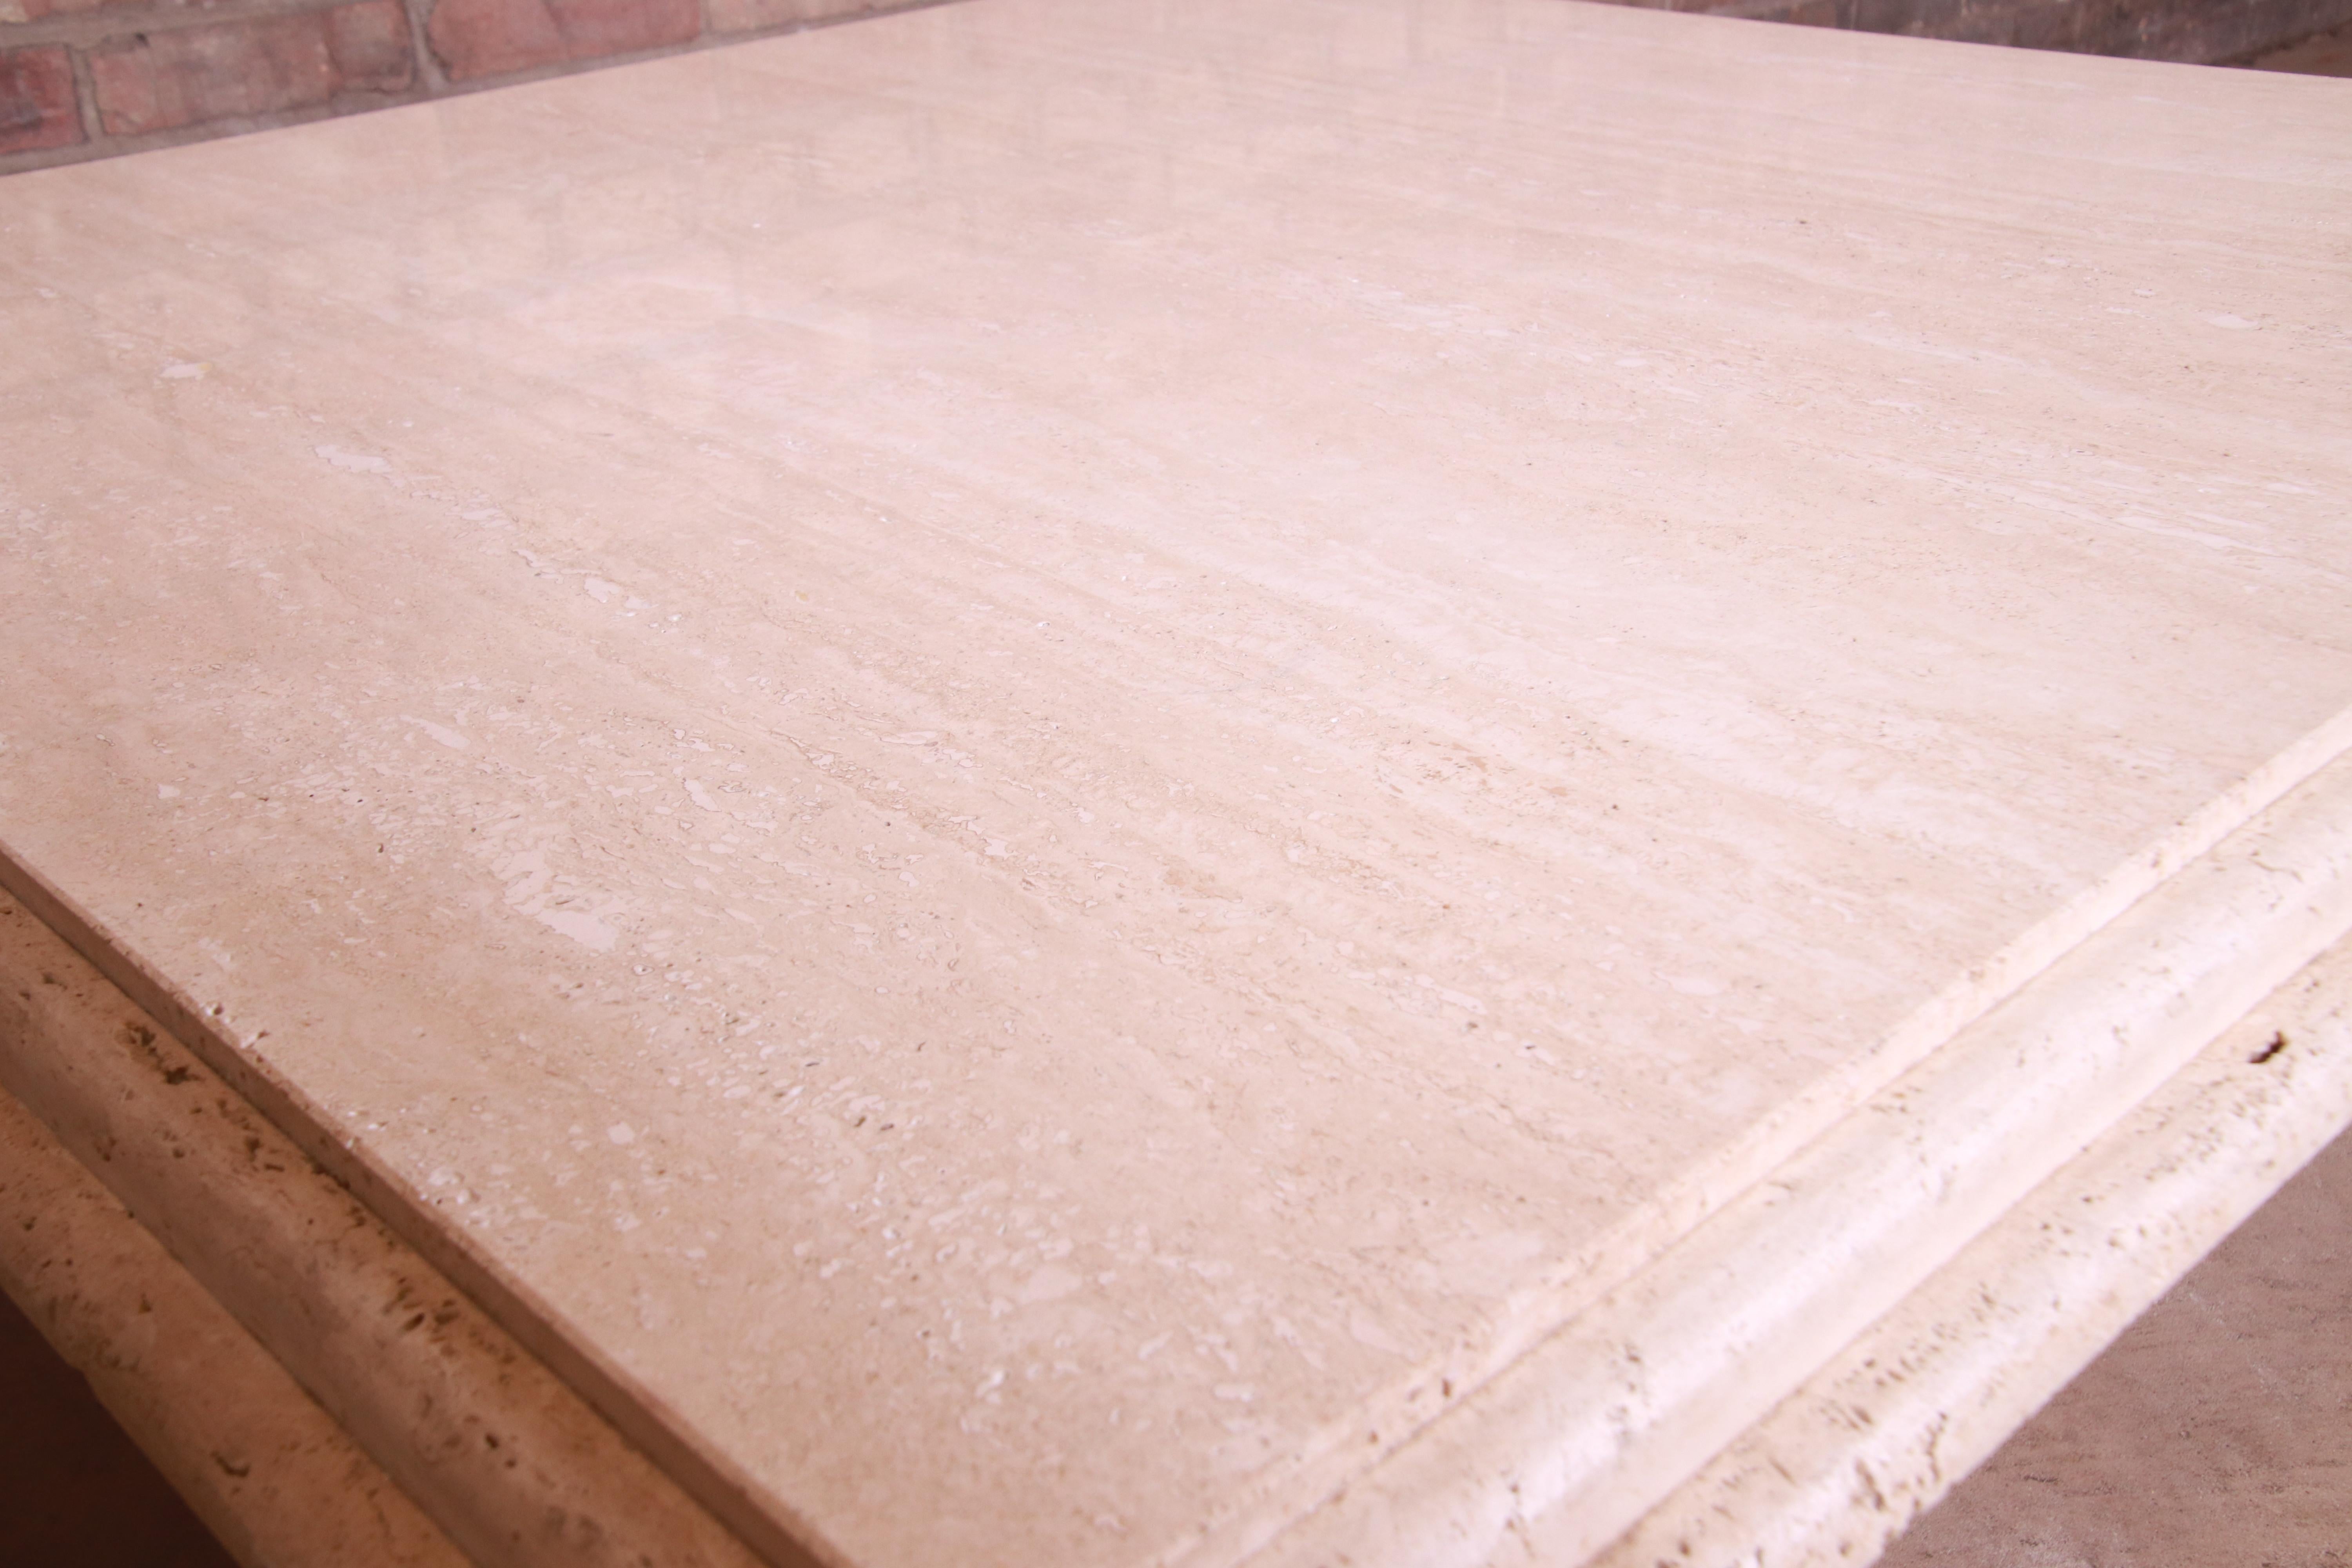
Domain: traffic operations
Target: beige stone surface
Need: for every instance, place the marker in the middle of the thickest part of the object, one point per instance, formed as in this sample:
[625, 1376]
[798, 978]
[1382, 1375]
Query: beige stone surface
[2184, 1444]
[268, 1471]
[1046, 759]
[1554, 1456]
[329, 1322]
[2214, 1429]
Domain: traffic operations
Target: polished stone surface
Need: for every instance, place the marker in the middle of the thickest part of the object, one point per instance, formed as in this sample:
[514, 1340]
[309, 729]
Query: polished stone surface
[1037, 748]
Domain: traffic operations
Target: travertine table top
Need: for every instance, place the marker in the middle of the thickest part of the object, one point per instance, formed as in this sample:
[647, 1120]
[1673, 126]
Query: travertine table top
[1046, 753]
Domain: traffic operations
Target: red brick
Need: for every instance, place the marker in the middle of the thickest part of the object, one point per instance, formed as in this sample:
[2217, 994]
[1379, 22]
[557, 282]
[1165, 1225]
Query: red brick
[34, 10]
[745, 15]
[485, 37]
[39, 10]
[240, 70]
[36, 100]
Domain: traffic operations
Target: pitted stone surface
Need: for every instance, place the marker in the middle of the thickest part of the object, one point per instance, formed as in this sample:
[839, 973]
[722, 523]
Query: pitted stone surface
[1053, 755]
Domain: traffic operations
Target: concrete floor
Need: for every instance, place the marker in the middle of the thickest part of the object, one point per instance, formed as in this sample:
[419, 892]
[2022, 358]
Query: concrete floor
[74, 1492]
[2217, 1431]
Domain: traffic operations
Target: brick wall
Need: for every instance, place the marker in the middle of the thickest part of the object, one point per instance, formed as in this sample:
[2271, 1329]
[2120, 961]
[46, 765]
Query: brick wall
[2200, 32]
[83, 79]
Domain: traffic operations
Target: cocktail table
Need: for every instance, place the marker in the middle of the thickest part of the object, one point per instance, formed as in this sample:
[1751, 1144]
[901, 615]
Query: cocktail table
[1367, 781]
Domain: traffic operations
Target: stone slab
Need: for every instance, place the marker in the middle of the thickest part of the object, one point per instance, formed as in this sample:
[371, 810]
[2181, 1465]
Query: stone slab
[325, 1313]
[1871, 1442]
[268, 1471]
[2227, 1397]
[1041, 762]
[1556, 1454]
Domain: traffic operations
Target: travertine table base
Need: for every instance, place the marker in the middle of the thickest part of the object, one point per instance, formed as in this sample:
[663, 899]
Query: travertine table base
[1833, 1472]
[1070, 782]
